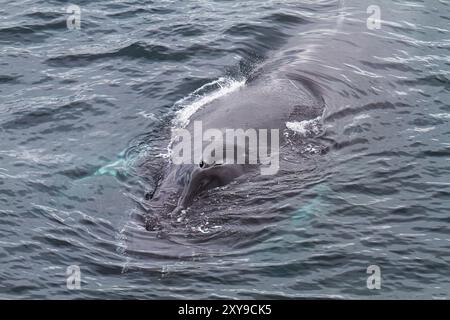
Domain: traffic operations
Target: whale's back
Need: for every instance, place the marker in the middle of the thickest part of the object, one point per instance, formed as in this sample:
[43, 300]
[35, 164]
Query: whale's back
[261, 105]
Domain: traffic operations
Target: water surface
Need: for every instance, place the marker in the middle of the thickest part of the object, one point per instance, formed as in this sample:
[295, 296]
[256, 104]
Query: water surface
[85, 116]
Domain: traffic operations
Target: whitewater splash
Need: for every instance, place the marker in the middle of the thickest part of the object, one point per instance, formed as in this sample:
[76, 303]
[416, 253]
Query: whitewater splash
[305, 127]
[202, 96]
[198, 99]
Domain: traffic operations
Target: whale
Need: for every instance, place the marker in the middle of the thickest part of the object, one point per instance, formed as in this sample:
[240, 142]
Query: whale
[274, 95]
[278, 110]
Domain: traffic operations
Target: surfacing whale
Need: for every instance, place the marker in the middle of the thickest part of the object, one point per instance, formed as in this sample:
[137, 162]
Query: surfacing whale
[274, 95]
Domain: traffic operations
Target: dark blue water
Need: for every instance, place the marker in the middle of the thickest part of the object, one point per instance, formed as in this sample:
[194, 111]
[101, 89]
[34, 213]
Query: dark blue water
[85, 117]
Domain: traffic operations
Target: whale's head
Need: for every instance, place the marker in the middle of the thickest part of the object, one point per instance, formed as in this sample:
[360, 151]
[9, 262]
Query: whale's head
[184, 183]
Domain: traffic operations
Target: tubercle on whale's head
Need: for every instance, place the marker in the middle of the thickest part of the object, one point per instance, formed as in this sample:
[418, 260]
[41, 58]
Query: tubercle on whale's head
[161, 204]
[206, 177]
[184, 183]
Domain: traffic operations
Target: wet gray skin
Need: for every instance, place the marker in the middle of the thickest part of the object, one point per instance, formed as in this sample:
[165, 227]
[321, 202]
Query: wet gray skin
[184, 183]
[266, 102]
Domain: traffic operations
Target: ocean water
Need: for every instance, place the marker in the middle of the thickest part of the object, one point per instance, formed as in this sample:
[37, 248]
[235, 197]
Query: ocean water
[86, 115]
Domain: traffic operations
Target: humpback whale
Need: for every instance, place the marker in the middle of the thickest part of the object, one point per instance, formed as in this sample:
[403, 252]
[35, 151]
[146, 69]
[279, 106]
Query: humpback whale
[271, 98]
[279, 95]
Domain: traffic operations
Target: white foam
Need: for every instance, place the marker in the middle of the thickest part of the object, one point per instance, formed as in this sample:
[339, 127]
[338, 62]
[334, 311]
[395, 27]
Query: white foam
[417, 129]
[441, 115]
[305, 127]
[361, 117]
[196, 100]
